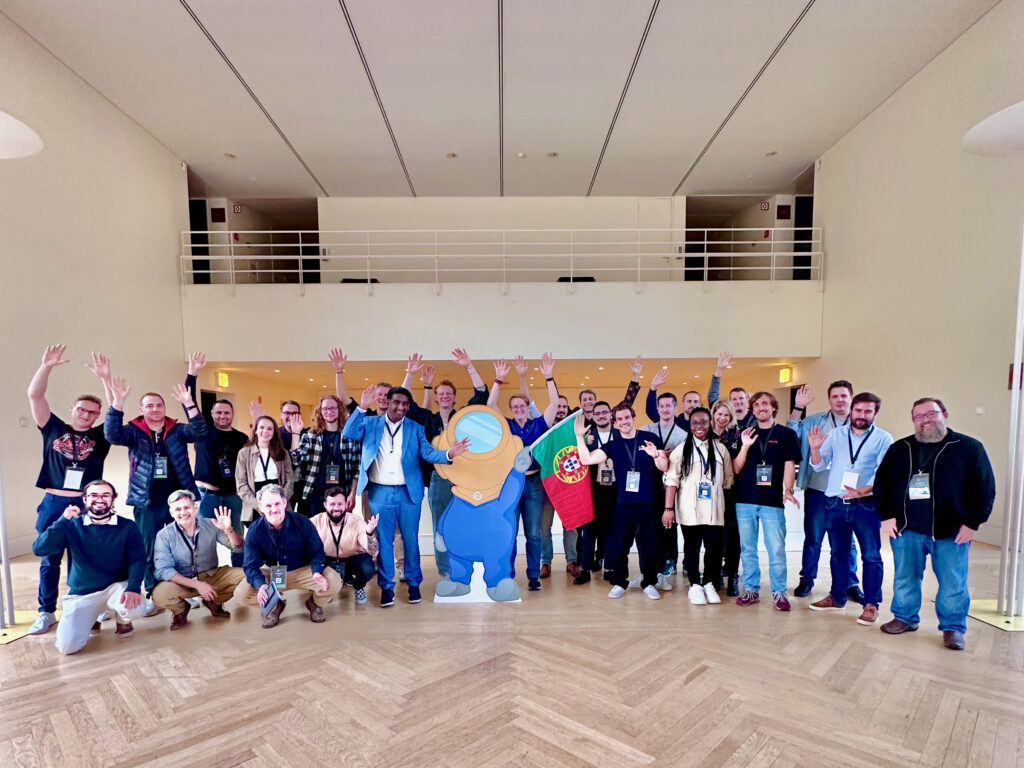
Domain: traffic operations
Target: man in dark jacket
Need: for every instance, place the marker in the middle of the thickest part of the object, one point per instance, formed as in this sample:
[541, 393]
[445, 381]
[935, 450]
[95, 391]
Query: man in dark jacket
[157, 456]
[933, 490]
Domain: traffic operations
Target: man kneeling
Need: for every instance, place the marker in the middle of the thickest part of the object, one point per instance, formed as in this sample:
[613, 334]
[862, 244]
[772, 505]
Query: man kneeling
[345, 536]
[290, 547]
[108, 562]
[185, 560]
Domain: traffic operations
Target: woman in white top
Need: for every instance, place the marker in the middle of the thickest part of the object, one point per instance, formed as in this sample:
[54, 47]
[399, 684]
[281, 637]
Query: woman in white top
[700, 468]
[262, 460]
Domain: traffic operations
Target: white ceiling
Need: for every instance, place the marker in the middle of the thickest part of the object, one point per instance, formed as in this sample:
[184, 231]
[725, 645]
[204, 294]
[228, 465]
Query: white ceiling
[310, 124]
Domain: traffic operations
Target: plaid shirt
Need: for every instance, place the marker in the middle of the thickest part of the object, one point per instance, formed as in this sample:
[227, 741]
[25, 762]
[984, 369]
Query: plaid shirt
[306, 459]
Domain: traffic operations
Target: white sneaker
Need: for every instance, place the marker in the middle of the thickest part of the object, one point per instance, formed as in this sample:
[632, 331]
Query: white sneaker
[663, 583]
[616, 592]
[105, 616]
[636, 581]
[652, 592]
[44, 620]
[697, 596]
[195, 602]
[360, 597]
[711, 594]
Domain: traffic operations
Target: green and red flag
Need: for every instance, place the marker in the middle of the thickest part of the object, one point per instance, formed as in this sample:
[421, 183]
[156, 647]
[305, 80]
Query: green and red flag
[566, 479]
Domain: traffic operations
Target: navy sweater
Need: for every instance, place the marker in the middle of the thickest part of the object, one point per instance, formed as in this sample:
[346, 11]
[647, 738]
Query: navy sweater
[100, 554]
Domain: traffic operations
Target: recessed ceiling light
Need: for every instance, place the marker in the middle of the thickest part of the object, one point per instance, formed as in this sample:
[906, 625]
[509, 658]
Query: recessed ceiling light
[696, 376]
[552, 154]
[451, 155]
[520, 155]
[17, 139]
[773, 153]
[536, 369]
[230, 155]
[366, 378]
[600, 367]
[277, 370]
[582, 384]
[310, 379]
[586, 377]
[323, 386]
[641, 377]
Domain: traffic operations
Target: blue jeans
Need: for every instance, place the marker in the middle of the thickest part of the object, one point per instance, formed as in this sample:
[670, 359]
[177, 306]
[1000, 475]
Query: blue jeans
[547, 547]
[858, 518]
[529, 509]
[773, 521]
[49, 509]
[949, 562]
[816, 520]
[210, 500]
[397, 511]
[438, 495]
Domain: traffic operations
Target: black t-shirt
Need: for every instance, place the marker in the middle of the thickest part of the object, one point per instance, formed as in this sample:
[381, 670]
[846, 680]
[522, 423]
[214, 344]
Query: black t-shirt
[627, 454]
[64, 448]
[921, 512]
[330, 454]
[219, 445]
[774, 447]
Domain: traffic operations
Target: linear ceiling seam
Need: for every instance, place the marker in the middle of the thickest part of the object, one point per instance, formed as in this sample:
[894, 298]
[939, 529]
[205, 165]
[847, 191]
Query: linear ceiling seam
[743, 96]
[501, 98]
[252, 95]
[622, 96]
[376, 94]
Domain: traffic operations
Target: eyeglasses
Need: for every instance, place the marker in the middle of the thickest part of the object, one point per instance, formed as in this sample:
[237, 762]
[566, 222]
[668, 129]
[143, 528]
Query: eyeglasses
[927, 416]
[289, 413]
[700, 422]
[107, 496]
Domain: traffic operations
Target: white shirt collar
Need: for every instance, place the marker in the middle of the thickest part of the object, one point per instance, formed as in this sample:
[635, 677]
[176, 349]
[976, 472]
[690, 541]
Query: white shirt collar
[87, 520]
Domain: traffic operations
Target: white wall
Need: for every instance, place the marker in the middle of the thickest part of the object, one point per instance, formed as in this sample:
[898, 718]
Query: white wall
[89, 238]
[924, 242]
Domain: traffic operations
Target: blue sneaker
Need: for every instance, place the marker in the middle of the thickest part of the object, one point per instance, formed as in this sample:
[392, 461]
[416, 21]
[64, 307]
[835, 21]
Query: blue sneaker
[670, 567]
[387, 598]
[414, 594]
[44, 620]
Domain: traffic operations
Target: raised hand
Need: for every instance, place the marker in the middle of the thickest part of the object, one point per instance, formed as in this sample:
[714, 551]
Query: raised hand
[53, 356]
[338, 359]
[803, 397]
[459, 447]
[71, 512]
[367, 400]
[659, 378]
[748, 436]
[816, 437]
[120, 390]
[522, 365]
[100, 365]
[256, 410]
[427, 375]
[415, 363]
[371, 525]
[637, 366]
[650, 449]
[579, 424]
[296, 425]
[724, 361]
[547, 365]
[460, 356]
[182, 394]
[222, 518]
[196, 363]
[500, 368]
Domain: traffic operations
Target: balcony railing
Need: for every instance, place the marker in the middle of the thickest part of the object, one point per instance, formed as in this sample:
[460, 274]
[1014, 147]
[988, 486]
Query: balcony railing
[500, 256]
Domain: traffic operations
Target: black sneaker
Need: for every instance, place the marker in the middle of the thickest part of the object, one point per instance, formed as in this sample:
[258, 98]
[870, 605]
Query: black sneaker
[855, 595]
[582, 578]
[387, 598]
[535, 585]
[414, 595]
[804, 588]
[733, 590]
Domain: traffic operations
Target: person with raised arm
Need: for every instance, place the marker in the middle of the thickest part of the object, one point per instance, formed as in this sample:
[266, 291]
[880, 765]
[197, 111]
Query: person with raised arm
[691, 399]
[323, 457]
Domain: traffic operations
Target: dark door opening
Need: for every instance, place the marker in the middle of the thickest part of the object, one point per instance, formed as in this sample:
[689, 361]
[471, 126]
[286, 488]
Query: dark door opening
[803, 218]
[197, 224]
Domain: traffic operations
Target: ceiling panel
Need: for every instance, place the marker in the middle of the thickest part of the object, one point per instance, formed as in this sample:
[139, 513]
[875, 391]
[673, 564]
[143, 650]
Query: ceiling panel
[699, 58]
[152, 61]
[565, 65]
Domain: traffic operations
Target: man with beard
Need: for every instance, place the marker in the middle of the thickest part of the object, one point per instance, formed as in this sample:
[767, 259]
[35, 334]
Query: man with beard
[287, 545]
[345, 536]
[691, 399]
[107, 565]
[933, 491]
[849, 457]
[73, 456]
[602, 487]
[185, 560]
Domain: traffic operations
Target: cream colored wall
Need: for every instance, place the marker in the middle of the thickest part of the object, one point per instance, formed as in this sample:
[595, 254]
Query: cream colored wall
[924, 244]
[89, 246]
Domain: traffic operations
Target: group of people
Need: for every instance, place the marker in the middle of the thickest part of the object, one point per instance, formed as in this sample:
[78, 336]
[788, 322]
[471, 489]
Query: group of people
[284, 499]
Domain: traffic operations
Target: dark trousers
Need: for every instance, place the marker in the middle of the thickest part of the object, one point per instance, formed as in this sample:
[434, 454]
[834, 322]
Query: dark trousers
[731, 543]
[356, 570]
[150, 520]
[711, 536]
[50, 509]
[640, 522]
[594, 535]
[668, 545]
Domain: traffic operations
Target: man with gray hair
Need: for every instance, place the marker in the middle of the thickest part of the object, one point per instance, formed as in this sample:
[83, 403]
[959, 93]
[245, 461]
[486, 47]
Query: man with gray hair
[289, 547]
[185, 560]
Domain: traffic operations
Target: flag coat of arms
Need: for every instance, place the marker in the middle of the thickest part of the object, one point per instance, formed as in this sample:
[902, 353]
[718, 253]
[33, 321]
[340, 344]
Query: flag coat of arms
[566, 479]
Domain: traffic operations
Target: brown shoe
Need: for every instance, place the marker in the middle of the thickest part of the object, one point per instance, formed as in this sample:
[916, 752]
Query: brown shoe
[953, 640]
[573, 569]
[123, 630]
[96, 628]
[545, 571]
[179, 620]
[272, 618]
[216, 610]
[827, 604]
[316, 613]
[869, 615]
[897, 627]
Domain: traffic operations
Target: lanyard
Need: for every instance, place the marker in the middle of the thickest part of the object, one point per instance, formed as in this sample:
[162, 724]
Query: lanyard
[767, 441]
[833, 417]
[392, 435]
[632, 454]
[264, 464]
[191, 542]
[337, 539]
[849, 440]
[704, 463]
[74, 450]
[664, 440]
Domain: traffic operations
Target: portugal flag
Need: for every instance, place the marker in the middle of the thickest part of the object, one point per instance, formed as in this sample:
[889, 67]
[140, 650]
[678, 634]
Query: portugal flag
[565, 478]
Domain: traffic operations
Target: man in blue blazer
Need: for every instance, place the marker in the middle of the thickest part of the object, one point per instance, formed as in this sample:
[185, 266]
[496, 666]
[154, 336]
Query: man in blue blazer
[389, 466]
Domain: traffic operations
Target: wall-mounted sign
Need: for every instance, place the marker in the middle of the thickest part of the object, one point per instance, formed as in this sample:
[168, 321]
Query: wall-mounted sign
[765, 205]
[222, 379]
[237, 208]
[785, 374]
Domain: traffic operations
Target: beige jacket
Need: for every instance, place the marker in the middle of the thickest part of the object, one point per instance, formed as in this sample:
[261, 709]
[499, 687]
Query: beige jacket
[245, 473]
[691, 510]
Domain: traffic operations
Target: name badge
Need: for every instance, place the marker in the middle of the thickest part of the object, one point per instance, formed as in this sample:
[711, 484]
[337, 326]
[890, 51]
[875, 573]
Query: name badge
[764, 474]
[704, 490]
[632, 481]
[333, 474]
[226, 470]
[606, 476]
[160, 468]
[278, 575]
[920, 487]
[850, 479]
[73, 478]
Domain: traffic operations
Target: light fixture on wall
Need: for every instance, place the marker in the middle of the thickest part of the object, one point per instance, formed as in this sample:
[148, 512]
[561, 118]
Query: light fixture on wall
[222, 379]
[17, 139]
[785, 374]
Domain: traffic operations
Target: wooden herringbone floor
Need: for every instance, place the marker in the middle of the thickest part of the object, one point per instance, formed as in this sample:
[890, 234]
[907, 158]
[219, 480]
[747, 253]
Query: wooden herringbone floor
[568, 678]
